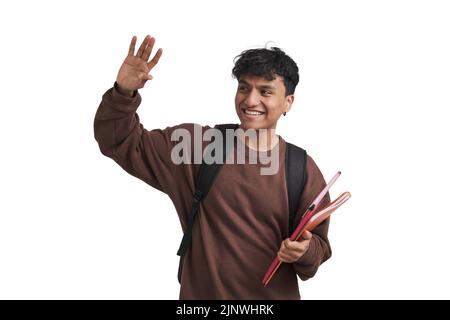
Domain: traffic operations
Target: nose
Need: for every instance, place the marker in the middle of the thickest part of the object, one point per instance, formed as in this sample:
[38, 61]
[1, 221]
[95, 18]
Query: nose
[252, 99]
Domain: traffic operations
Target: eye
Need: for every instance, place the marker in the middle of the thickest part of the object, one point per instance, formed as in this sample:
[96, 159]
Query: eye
[242, 88]
[266, 92]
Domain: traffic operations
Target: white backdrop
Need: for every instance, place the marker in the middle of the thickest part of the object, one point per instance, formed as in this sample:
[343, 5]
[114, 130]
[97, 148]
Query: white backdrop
[372, 101]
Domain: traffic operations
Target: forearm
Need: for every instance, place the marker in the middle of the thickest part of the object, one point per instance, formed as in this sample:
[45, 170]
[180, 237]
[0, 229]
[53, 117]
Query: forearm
[115, 119]
[121, 137]
[318, 252]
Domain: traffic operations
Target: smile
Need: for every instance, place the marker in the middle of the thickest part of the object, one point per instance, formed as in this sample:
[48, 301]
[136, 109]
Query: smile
[253, 113]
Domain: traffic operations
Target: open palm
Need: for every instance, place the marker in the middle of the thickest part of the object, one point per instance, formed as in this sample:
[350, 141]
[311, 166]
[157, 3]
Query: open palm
[135, 70]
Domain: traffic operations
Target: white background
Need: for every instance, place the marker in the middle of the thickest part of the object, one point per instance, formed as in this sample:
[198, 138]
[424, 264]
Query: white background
[372, 101]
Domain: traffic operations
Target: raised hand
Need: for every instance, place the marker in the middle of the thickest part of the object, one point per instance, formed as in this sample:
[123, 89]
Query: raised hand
[135, 70]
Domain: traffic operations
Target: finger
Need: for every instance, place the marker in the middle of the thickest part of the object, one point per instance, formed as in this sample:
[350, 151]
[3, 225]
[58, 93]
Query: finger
[148, 49]
[283, 244]
[306, 235]
[286, 246]
[285, 257]
[282, 258]
[295, 246]
[142, 47]
[288, 254]
[145, 76]
[291, 245]
[132, 46]
[155, 59]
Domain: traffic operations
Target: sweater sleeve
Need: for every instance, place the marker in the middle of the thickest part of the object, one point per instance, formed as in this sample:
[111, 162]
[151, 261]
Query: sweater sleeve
[142, 153]
[319, 249]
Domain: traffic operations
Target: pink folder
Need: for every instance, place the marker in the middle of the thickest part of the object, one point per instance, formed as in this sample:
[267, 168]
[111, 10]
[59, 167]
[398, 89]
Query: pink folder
[310, 219]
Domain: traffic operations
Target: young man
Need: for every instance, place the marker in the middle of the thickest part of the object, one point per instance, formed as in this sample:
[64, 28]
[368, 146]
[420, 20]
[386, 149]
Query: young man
[242, 221]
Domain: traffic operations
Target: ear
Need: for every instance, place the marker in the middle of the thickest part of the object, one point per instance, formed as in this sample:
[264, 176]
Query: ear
[288, 101]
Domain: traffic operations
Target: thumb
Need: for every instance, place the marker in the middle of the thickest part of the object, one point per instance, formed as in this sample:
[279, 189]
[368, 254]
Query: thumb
[306, 235]
[145, 76]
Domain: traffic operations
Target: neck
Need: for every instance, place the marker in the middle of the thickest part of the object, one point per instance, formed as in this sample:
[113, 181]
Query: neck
[266, 139]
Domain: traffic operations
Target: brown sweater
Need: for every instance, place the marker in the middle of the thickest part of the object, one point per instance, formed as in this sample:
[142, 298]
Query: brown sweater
[241, 222]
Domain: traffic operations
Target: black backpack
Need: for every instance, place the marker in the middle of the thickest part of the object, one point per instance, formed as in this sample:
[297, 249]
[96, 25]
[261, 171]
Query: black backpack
[295, 158]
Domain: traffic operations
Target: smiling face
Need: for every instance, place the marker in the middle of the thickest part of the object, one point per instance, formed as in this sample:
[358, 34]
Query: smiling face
[260, 103]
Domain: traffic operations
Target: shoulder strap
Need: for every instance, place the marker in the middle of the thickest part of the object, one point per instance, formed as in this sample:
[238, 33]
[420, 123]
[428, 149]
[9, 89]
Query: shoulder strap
[295, 168]
[204, 180]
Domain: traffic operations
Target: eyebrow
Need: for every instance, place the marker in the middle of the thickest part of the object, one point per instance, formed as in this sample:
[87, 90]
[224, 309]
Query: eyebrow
[263, 86]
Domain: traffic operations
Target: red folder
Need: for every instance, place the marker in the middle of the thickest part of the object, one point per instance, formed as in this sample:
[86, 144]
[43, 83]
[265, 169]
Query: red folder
[310, 219]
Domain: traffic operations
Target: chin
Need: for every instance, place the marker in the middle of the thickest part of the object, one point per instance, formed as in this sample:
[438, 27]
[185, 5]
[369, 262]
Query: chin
[251, 125]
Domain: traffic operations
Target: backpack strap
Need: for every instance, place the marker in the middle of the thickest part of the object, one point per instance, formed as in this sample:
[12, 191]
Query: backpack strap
[295, 169]
[204, 180]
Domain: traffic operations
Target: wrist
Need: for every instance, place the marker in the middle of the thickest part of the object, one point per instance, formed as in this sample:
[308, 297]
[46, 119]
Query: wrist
[123, 91]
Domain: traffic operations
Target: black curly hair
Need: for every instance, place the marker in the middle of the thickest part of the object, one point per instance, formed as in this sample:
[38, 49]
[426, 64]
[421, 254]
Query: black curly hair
[267, 63]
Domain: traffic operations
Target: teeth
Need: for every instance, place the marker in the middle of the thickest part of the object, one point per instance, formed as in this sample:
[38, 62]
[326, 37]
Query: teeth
[253, 113]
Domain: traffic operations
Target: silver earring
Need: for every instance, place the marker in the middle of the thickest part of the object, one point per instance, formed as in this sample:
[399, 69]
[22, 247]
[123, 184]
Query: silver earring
[284, 113]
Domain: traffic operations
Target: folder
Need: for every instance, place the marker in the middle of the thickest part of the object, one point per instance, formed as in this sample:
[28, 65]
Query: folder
[310, 219]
